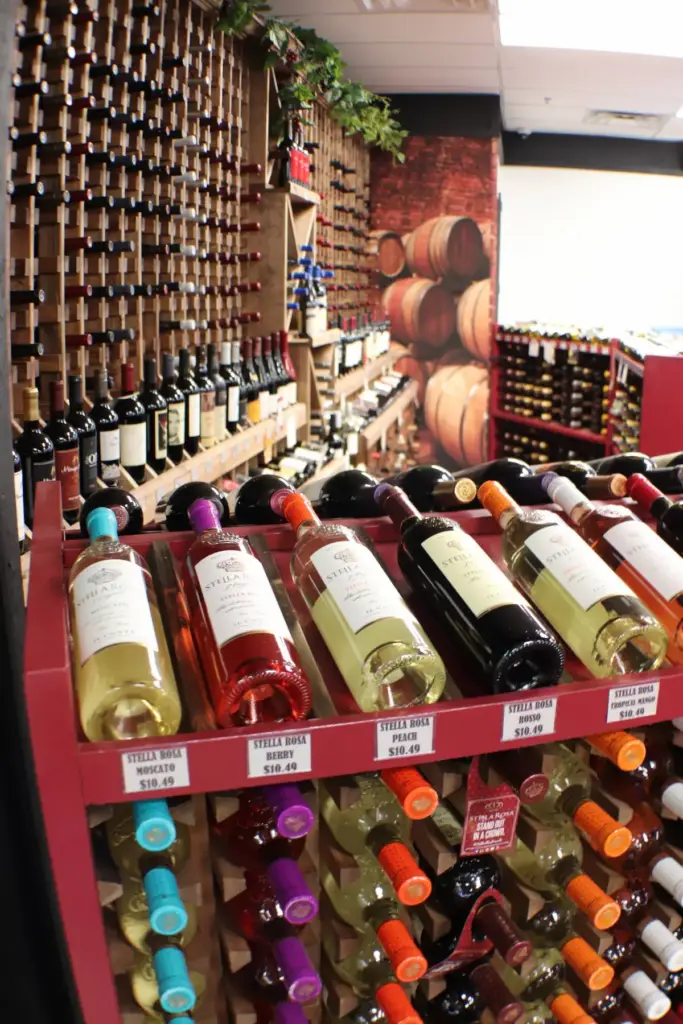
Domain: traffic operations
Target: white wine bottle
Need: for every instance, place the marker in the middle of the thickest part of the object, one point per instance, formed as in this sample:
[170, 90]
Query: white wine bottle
[123, 673]
[380, 648]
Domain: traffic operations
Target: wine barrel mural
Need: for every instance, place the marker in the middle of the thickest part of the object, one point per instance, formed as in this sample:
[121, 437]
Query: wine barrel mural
[434, 240]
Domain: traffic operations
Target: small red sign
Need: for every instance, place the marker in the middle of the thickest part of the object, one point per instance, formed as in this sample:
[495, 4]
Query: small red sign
[490, 817]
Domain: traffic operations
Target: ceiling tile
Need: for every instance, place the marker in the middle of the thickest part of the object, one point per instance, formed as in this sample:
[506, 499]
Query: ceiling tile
[301, 8]
[426, 79]
[411, 55]
[401, 28]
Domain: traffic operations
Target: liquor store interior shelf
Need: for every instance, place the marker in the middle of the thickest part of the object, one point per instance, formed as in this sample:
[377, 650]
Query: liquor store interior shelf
[299, 194]
[212, 463]
[374, 430]
[352, 382]
[341, 741]
[329, 337]
[553, 428]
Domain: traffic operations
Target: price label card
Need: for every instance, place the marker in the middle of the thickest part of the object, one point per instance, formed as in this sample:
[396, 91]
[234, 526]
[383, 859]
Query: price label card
[525, 719]
[404, 737]
[291, 432]
[155, 771]
[632, 702]
[276, 755]
[534, 348]
[548, 352]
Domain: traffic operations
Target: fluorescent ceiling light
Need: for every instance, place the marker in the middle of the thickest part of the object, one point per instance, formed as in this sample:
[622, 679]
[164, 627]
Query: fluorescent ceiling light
[653, 27]
[679, 113]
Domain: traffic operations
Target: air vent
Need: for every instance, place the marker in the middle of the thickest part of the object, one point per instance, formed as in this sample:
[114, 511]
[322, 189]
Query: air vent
[625, 119]
[424, 6]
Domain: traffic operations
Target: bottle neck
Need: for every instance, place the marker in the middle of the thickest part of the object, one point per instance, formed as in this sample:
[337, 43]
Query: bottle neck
[396, 504]
[570, 499]
[31, 410]
[75, 395]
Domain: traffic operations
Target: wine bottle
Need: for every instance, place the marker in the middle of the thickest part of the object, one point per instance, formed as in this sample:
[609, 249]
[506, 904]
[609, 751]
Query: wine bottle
[152, 903]
[594, 611]
[251, 383]
[122, 668]
[635, 552]
[510, 643]
[188, 386]
[377, 643]
[207, 400]
[162, 979]
[252, 506]
[669, 514]
[176, 409]
[220, 387]
[624, 462]
[420, 482]
[36, 452]
[349, 494]
[87, 436]
[182, 498]
[156, 408]
[253, 669]
[230, 374]
[64, 437]
[108, 433]
[132, 425]
[373, 961]
[543, 997]
[124, 505]
[467, 996]
[288, 365]
[19, 499]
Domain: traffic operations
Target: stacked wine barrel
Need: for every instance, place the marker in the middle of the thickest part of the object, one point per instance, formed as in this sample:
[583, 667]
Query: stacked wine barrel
[437, 294]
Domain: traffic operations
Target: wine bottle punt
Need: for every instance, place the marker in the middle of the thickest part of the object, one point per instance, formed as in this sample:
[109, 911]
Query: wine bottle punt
[252, 666]
[509, 641]
[123, 674]
[596, 613]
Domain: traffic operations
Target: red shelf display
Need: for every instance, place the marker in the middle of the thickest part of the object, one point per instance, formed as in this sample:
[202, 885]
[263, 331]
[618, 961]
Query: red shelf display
[74, 774]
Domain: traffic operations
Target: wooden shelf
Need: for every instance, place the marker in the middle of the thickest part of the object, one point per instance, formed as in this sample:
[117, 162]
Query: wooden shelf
[552, 428]
[330, 337]
[208, 465]
[389, 414]
[299, 195]
[354, 381]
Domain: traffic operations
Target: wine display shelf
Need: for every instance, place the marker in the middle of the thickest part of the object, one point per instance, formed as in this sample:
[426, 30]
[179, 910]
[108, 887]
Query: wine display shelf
[643, 395]
[75, 776]
[393, 413]
[352, 382]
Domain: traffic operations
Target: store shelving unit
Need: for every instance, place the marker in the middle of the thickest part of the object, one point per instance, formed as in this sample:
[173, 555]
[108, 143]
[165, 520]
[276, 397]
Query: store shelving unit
[73, 774]
[352, 382]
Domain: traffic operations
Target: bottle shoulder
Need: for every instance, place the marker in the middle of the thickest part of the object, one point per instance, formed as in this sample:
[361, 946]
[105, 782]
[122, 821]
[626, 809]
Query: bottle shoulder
[34, 441]
[128, 407]
[62, 433]
[104, 415]
[103, 550]
[153, 400]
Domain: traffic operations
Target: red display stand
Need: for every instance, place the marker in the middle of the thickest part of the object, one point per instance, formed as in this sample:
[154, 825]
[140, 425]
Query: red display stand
[73, 774]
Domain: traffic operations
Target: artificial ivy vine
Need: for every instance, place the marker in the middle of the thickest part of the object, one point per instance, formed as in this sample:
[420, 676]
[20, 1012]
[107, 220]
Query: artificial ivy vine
[316, 70]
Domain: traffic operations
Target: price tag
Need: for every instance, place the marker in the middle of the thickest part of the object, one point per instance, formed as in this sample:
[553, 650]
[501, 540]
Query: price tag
[383, 441]
[528, 718]
[534, 348]
[282, 754]
[631, 702]
[154, 771]
[291, 432]
[404, 737]
[549, 352]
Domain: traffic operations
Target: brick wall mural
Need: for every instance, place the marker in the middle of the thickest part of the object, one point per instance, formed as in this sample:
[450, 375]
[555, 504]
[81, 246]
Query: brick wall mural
[435, 238]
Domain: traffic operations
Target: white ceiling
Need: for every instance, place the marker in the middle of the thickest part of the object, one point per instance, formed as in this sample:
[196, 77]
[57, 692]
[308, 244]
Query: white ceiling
[454, 46]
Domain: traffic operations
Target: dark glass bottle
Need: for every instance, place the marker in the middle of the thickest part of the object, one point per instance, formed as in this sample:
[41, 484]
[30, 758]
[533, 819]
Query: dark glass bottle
[207, 399]
[19, 499]
[65, 439]
[126, 508]
[181, 499]
[251, 383]
[87, 435]
[626, 463]
[108, 433]
[156, 408]
[231, 376]
[262, 377]
[419, 482]
[348, 495]
[501, 470]
[133, 425]
[509, 641]
[669, 514]
[36, 451]
[220, 422]
[252, 506]
[175, 404]
[188, 386]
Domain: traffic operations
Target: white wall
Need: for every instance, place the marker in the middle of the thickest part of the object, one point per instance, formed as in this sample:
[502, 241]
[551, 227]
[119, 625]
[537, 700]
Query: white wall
[592, 248]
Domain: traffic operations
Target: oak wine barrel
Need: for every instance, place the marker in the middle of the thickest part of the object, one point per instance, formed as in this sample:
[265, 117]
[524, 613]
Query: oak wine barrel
[390, 257]
[474, 319]
[446, 247]
[419, 310]
[419, 369]
[456, 411]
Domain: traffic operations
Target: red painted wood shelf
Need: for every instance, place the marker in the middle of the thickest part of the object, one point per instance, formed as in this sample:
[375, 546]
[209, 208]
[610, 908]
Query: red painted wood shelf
[550, 426]
[73, 774]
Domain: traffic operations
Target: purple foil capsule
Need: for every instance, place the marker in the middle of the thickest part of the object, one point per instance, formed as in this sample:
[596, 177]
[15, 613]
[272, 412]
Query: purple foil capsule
[301, 979]
[298, 903]
[293, 817]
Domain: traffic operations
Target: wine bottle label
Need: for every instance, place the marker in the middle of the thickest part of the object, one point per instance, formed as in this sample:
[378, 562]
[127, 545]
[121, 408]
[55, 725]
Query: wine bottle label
[42, 471]
[358, 585]
[88, 455]
[159, 429]
[67, 467]
[193, 414]
[207, 416]
[19, 504]
[238, 596]
[111, 607]
[110, 446]
[176, 423]
[577, 568]
[649, 555]
[352, 443]
[471, 573]
[264, 405]
[233, 404]
[133, 444]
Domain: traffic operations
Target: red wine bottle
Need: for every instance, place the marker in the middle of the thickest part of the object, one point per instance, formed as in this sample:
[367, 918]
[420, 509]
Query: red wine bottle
[36, 451]
[87, 435]
[669, 514]
[133, 425]
[157, 417]
[175, 402]
[19, 500]
[188, 386]
[108, 433]
[65, 439]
